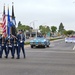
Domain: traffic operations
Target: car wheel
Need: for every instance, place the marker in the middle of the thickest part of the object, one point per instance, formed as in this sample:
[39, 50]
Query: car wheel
[32, 46]
[44, 46]
[47, 45]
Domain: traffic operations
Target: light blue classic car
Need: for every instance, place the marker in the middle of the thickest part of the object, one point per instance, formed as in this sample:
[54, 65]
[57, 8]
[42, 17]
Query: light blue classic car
[40, 41]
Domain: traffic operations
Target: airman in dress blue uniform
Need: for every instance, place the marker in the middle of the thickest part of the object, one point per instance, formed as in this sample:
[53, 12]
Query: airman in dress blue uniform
[16, 48]
[21, 39]
[11, 45]
[0, 46]
[4, 46]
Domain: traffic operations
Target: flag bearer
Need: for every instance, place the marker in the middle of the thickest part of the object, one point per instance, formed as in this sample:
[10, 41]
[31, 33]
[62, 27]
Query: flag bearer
[4, 45]
[16, 48]
[11, 45]
[0, 46]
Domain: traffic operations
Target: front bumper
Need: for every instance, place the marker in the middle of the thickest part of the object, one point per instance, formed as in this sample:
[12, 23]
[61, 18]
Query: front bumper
[38, 44]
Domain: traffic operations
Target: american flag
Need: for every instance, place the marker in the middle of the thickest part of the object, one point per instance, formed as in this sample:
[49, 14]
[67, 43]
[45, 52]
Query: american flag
[4, 22]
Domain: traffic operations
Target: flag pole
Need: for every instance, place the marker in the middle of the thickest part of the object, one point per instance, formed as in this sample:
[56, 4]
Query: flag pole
[10, 31]
[9, 23]
[13, 28]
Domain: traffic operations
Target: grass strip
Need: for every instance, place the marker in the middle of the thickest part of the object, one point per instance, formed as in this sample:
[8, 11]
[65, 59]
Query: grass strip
[27, 43]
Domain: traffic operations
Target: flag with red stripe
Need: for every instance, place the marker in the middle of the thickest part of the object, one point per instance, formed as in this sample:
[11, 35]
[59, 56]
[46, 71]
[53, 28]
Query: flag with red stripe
[4, 22]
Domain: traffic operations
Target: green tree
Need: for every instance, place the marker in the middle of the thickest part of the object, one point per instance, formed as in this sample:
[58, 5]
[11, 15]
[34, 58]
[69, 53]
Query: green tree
[61, 28]
[44, 29]
[65, 32]
[24, 27]
[19, 23]
[47, 29]
[69, 32]
[53, 29]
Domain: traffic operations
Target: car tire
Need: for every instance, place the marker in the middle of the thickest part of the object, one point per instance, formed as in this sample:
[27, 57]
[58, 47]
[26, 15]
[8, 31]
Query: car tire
[47, 45]
[32, 46]
[44, 46]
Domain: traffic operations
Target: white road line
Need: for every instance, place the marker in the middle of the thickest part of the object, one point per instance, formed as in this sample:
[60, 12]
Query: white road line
[57, 40]
[74, 47]
[52, 45]
[49, 52]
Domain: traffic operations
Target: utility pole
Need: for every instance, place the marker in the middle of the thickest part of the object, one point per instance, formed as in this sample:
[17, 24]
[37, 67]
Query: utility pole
[33, 23]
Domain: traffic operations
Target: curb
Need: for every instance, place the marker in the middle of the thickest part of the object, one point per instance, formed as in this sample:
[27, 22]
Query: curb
[57, 40]
[26, 45]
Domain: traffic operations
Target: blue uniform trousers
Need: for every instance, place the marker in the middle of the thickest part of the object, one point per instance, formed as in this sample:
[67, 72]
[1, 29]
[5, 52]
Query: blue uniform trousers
[0, 50]
[11, 48]
[21, 47]
[4, 47]
[16, 48]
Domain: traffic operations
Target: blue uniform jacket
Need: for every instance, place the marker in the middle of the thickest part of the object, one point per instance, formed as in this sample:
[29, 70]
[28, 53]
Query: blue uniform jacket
[19, 38]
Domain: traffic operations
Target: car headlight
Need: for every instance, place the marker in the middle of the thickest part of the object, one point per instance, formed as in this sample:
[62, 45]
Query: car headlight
[44, 40]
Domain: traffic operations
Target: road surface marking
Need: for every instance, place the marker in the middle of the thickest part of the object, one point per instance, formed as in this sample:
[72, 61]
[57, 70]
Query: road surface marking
[49, 52]
[74, 47]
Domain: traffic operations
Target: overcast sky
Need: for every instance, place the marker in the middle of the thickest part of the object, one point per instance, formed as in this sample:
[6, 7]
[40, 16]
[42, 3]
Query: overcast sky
[46, 12]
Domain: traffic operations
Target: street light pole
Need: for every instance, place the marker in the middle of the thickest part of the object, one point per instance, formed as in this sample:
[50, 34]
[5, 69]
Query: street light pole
[33, 22]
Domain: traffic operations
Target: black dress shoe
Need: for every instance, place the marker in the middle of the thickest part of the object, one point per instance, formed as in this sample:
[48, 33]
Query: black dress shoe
[18, 58]
[12, 57]
[6, 56]
[0, 56]
[24, 56]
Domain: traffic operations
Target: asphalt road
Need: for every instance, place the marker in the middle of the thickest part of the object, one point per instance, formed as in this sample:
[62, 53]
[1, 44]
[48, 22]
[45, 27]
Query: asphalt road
[58, 59]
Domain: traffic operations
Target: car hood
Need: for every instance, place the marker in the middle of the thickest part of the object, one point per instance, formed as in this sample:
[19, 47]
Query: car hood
[38, 40]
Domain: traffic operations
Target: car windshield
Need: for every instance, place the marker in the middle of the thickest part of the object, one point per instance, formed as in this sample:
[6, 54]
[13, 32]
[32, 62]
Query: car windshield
[40, 36]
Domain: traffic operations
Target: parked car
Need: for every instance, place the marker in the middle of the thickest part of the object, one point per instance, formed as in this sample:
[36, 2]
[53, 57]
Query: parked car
[40, 41]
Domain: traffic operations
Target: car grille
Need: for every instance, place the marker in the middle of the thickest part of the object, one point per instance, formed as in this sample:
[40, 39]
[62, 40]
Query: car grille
[38, 43]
